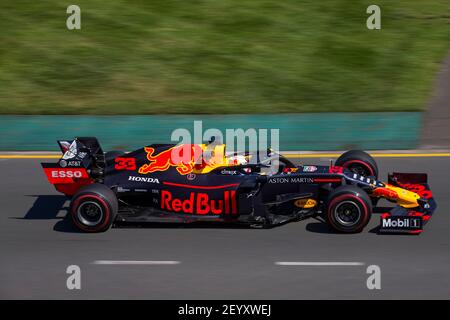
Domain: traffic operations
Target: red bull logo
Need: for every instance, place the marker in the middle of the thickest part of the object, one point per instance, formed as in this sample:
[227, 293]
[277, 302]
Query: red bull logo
[183, 157]
[200, 203]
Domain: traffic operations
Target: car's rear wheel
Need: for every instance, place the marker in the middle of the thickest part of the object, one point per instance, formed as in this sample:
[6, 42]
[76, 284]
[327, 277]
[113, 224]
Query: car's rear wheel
[349, 209]
[358, 162]
[94, 208]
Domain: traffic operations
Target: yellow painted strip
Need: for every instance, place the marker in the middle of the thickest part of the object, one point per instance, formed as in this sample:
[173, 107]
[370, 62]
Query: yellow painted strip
[375, 155]
[292, 155]
[407, 155]
[312, 155]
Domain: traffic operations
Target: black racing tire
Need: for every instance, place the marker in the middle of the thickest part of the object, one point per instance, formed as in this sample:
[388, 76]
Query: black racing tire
[111, 155]
[349, 209]
[94, 208]
[359, 162]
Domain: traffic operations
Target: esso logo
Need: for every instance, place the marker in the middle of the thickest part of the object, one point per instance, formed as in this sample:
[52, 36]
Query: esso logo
[66, 174]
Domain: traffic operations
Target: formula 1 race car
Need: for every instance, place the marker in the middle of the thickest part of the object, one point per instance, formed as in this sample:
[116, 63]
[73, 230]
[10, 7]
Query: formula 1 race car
[200, 182]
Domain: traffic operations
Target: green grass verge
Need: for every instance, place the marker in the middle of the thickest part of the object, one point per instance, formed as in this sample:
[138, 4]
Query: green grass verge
[234, 56]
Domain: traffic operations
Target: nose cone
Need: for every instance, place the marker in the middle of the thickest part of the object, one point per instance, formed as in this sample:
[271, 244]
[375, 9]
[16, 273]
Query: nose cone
[407, 199]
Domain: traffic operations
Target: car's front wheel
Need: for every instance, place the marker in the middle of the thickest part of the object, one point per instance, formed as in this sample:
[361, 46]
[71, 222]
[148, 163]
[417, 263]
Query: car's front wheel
[349, 209]
[359, 162]
[94, 208]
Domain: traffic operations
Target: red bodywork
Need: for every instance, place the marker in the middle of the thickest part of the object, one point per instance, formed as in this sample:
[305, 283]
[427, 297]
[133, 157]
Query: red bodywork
[68, 180]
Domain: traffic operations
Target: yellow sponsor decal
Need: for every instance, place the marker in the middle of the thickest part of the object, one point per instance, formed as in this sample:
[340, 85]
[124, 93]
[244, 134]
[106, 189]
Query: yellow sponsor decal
[305, 203]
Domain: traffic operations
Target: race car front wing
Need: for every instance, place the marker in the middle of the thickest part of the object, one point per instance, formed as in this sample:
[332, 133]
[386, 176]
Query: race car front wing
[409, 220]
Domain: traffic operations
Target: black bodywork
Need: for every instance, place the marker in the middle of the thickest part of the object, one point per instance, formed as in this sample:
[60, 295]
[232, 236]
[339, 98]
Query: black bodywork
[266, 191]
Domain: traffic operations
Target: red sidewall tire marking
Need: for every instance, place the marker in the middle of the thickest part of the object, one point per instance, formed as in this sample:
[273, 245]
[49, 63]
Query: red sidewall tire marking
[365, 214]
[372, 171]
[74, 208]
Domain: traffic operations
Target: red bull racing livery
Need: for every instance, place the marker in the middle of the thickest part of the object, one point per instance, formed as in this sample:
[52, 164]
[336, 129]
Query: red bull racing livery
[201, 182]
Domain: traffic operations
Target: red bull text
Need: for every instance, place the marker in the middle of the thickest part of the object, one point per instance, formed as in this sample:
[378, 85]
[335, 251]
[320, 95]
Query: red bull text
[200, 203]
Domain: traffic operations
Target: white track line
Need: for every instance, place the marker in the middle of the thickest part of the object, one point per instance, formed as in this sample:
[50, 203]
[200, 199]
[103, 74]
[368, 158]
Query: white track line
[300, 263]
[131, 262]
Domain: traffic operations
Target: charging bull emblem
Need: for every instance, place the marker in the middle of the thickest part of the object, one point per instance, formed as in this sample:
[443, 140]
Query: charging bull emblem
[182, 157]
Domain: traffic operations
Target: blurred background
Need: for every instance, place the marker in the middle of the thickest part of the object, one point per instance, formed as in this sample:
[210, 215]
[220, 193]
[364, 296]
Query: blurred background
[235, 56]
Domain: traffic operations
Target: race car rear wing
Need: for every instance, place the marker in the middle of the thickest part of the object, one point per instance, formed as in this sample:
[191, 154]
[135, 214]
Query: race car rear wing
[84, 149]
[411, 221]
[82, 162]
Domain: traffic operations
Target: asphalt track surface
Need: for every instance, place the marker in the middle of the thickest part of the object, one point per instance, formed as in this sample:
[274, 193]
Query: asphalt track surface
[206, 262]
